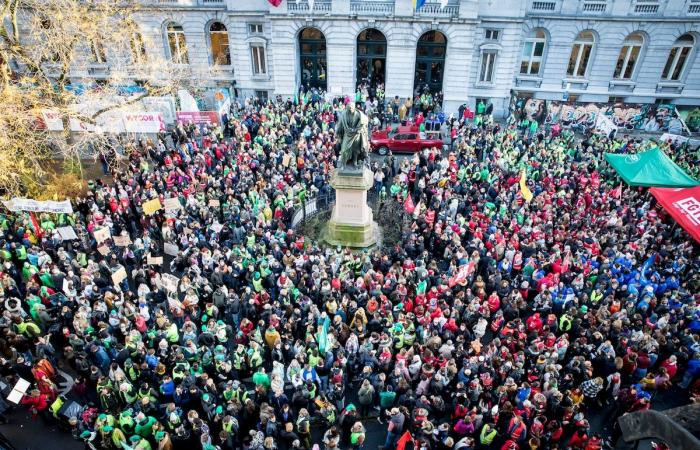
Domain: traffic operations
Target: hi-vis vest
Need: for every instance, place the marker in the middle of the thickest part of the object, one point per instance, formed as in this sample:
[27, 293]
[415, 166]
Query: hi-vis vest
[487, 435]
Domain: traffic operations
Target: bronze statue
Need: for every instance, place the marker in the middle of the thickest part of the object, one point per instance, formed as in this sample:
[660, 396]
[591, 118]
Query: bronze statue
[352, 133]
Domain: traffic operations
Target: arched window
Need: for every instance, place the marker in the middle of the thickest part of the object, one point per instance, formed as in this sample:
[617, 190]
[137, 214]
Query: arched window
[177, 45]
[430, 61]
[371, 57]
[581, 54]
[629, 54]
[533, 52]
[312, 58]
[218, 37]
[678, 58]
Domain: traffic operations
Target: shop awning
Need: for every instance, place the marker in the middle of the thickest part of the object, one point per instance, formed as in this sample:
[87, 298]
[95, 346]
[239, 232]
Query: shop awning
[650, 168]
[683, 205]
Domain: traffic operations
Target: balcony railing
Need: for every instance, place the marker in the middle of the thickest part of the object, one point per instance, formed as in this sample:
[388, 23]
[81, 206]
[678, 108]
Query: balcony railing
[319, 6]
[694, 8]
[433, 9]
[592, 7]
[543, 6]
[646, 9]
[372, 7]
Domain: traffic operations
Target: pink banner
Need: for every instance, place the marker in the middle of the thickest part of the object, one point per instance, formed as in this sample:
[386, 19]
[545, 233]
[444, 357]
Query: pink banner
[198, 117]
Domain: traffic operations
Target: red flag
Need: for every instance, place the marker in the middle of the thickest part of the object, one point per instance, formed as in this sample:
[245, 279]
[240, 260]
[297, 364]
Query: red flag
[408, 205]
[617, 192]
[430, 216]
[35, 223]
[275, 3]
[461, 276]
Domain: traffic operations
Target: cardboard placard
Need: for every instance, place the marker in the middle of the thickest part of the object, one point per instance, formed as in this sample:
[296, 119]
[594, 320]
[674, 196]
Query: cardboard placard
[154, 260]
[214, 203]
[119, 276]
[286, 159]
[67, 233]
[103, 249]
[121, 241]
[217, 227]
[18, 391]
[172, 205]
[151, 206]
[102, 234]
[170, 249]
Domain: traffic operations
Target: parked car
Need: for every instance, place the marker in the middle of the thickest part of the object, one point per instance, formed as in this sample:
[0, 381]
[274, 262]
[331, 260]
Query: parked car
[403, 139]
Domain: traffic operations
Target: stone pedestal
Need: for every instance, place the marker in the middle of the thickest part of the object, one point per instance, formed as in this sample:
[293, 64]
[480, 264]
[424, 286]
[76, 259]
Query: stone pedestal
[351, 223]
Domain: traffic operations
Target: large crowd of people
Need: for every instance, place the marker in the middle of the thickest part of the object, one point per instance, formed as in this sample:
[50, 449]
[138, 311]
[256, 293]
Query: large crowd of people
[494, 323]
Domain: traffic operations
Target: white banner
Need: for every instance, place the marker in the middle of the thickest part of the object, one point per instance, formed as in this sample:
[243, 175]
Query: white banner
[604, 124]
[187, 102]
[52, 120]
[148, 122]
[27, 204]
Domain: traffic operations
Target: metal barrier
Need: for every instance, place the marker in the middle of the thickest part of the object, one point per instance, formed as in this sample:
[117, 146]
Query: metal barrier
[324, 203]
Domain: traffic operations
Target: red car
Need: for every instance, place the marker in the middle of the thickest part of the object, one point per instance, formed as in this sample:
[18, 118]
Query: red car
[402, 139]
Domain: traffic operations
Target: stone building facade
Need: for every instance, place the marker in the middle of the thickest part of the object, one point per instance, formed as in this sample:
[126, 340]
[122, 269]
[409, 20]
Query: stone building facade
[636, 51]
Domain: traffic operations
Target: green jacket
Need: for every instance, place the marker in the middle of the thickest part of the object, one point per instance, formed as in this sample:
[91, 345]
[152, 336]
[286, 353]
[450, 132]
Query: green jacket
[386, 399]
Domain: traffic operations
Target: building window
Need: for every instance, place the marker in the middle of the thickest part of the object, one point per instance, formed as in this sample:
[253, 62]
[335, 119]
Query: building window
[255, 28]
[371, 57]
[138, 47]
[533, 52]
[312, 58]
[678, 58]
[262, 96]
[629, 54]
[615, 100]
[177, 44]
[98, 52]
[492, 35]
[257, 54]
[218, 37]
[581, 54]
[488, 61]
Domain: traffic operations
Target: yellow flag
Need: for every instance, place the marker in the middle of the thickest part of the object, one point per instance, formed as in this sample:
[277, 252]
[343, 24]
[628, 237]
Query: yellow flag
[527, 194]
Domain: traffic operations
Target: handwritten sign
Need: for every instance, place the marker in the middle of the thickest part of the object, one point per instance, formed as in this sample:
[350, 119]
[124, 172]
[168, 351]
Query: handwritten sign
[151, 206]
[214, 203]
[285, 160]
[217, 227]
[121, 241]
[119, 276]
[103, 249]
[172, 205]
[102, 234]
[170, 249]
[67, 233]
[154, 260]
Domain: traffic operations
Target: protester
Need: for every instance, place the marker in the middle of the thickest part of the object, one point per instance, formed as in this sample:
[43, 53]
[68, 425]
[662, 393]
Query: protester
[494, 322]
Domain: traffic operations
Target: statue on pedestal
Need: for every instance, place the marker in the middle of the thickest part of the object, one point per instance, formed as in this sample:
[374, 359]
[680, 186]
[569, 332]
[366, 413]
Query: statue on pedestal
[352, 133]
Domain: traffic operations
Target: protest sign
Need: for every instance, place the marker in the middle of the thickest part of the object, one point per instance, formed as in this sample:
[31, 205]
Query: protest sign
[170, 249]
[121, 241]
[67, 233]
[172, 204]
[154, 260]
[102, 234]
[151, 206]
[169, 282]
[119, 276]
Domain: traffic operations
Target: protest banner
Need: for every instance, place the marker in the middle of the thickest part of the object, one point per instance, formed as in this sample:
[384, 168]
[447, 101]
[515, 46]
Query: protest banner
[29, 205]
